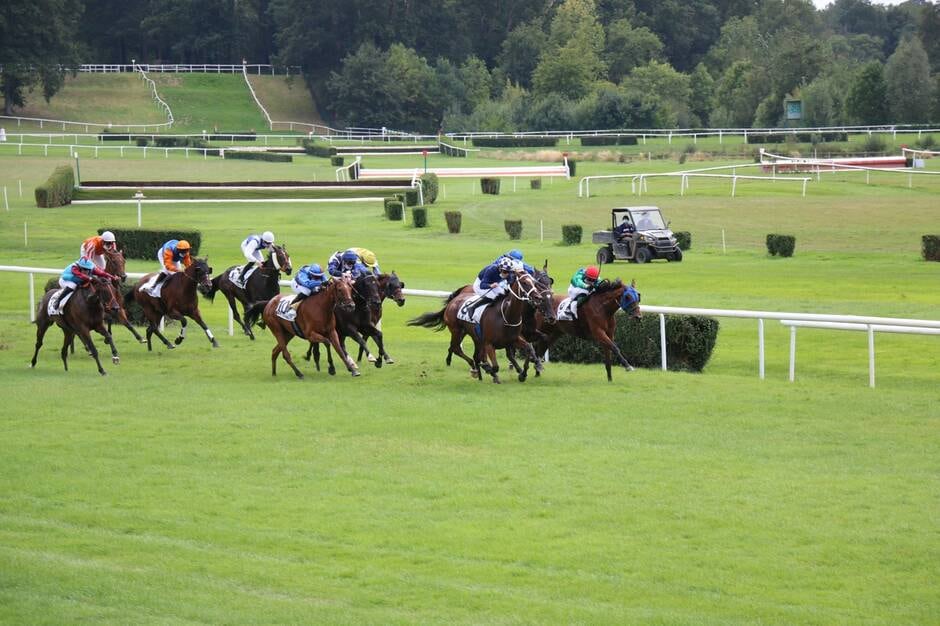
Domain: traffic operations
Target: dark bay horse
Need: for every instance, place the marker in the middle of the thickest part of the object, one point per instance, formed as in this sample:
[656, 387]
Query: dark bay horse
[84, 312]
[357, 324]
[390, 287]
[596, 320]
[316, 322]
[261, 285]
[178, 300]
[500, 325]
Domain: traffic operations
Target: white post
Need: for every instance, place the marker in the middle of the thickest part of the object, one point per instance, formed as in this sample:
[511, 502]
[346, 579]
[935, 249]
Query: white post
[541, 230]
[734, 185]
[514, 184]
[760, 348]
[32, 299]
[724, 250]
[662, 339]
[20, 185]
[792, 352]
[138, 196]
[871, 357]
[6, 202]
[231, 322]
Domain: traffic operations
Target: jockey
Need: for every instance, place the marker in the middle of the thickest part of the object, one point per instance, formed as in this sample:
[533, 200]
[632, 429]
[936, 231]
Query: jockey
[95, 247]
[347, 261]
[492, 282]
[252, 247]
[583, 283]
[308, 281]
[79, 273]
[367, 258]
[172, 255]
[516, 255]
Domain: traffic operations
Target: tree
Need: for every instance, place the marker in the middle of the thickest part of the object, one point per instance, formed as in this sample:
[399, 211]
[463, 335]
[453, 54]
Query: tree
[521, 51]
[867, 100]
[571, 63]
[909, 84]
[702, 96]
[740, 90]
[37, 38]
[928, 29]
[669, 88]
[628, 47]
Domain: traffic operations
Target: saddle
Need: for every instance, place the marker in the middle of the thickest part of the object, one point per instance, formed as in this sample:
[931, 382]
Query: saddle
[567, 310]
[233, 275]
[149, 289]
[462, 312]
[54, 307]
[284, 311]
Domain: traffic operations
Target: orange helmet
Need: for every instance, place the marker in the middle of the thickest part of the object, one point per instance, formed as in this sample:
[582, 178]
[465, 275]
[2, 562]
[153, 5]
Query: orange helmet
[592, 272]
[183, 245]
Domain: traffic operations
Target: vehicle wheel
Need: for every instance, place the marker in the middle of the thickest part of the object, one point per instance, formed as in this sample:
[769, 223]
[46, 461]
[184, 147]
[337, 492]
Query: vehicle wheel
[675, 256]
[643, 255]
[604, 256]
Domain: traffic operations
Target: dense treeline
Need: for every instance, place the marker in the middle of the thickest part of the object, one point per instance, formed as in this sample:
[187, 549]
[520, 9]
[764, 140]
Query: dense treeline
[537, 64]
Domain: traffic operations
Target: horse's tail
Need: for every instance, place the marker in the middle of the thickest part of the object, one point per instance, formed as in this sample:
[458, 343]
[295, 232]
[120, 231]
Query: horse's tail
[434, 319]
[129, 298]
[254, 311]
[210, 294]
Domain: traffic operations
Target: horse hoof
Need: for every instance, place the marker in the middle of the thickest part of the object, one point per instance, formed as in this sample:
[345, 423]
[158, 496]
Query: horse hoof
[629, 368]
[370, 358]
[142, 341]
[215, 344]
[178, 340]
[389, 360]
[522, 377]
[103, 373]
[332, 371]
[497, 381]
[170, 346]
[115, 359]
[378, 363]
[355, 373]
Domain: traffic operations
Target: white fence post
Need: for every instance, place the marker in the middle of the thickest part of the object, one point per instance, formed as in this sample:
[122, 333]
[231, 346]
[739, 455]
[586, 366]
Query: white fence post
[32, 298]
[662, 339]
[760, 348]
[792, 352]
[871, 357]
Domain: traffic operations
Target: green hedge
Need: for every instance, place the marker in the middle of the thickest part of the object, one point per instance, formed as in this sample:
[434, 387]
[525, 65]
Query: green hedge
[411, 197]
[394, 209]
[419, 216]
[57, 190]
[690, 341]
[337, 161]
[454, 219]
[143, 243]
[571, 234]
[515, 142]
[930, 247]
[317, 149]
[607, 140]
[535, 183]
[490, 186]
[683, 239]
[259, 156]
[782, 245]
[513, 228]
[430, 187]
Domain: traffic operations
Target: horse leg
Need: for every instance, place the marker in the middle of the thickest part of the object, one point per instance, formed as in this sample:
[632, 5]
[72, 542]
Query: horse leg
[198, 319]
[357, 337]
[66, 342]
[182, 334]
[380, 342]
[331, 368]
[609, 346]
[237, 317]
[456, 336]
[341, 351]
[286, 354]
[109, 339]
[42, 325]
[489, 352]
[90, 346]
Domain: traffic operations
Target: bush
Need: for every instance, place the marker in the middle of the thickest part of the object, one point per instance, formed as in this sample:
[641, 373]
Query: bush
[683, 239]
[690, 341]
[317, 149]
[259, 156]
[57, 190]
[394, 210]
[535, 183]
[453, 221]
[142, 243]
[515, 142]
[572, 166]
[490, 186]
[336, 161]
[782, 245]
[419, 216]
[411, 197]
[571, 234]
[926, 142]
[874, 143]
[429, 187]
[766, 137]
[608, 140]
[142, 141]
[930, 247]
[513, 228]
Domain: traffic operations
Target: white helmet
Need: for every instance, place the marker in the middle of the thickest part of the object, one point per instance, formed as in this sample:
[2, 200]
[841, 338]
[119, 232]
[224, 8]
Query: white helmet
[107, 236]
[267, 237]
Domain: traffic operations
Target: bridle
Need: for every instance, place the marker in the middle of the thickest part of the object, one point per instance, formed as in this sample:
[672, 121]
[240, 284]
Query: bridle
[525, 296]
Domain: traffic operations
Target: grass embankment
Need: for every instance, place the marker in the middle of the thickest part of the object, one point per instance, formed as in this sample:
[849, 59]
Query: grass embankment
[210, 102]
[286, 98]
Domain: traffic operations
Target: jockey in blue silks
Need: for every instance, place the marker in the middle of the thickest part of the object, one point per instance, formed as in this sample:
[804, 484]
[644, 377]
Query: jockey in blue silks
[492, 282]
[252, 247]
[309, 280]
[348, 261]
[516, 255]
[78, 273]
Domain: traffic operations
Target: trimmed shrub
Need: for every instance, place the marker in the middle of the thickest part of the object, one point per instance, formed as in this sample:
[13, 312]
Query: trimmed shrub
[395, 210]
[513, 228]
[453, 221]
[874, 143]
[142, 141]
[429, 187]
[515, 142]
[683, 239]
[259, 156]
[930, 247]
[419, 216]
[608, 140]
[336, 161]
[317, 149]
[411, 197]
[535, 183]
[143, 243]
[490, 186]
[690, 341]
[766, 137]
[572, 166]
[244, 135]
[57, 190]
[782, 245]
[571, 234]
[107, 135]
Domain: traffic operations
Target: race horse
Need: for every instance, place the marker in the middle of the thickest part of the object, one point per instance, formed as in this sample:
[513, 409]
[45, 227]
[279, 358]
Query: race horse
[390, 287]
[595, 321]
[262, 284]
[178, 300]
[357, 324]
[500, 324]
[84, 312]
[115, 265]
[315, 322]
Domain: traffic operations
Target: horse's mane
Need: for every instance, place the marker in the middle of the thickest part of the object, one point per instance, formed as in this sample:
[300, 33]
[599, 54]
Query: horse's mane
[607, 285]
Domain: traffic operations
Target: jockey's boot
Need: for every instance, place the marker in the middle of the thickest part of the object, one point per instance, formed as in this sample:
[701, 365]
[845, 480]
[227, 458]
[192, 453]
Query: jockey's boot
[300, 297]
[476, 305]
[160, 279]
[65, 292]
[241, 277]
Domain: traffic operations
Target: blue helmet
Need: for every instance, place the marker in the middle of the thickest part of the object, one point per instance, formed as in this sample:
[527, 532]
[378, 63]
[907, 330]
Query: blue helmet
[350, 256]
[315, 270]
[86, 263]
[515, 253]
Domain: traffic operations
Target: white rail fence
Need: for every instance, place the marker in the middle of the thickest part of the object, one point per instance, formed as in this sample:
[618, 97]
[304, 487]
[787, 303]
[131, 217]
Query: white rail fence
[156, 97]
[868, 324]
[202, 68]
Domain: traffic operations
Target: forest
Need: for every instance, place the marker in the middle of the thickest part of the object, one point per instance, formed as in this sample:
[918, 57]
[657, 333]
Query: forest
[514, 65]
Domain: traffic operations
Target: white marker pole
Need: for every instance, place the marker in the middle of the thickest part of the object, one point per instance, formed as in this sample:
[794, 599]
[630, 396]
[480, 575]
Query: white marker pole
[6, 201]
[25, 235]
[541, 230]
[724, 250]
[20, 184]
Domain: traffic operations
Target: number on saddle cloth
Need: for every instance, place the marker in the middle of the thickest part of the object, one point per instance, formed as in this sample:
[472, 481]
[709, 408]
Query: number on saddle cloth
[567, 310]
[284, 310]
[463, 312]
[54, 306]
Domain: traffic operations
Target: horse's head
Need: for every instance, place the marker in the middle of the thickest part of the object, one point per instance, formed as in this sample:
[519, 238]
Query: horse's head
[367, 288]
[342, 290]
[280, 259]
[393, 287]
[115, 263]
[202, 275]
[630, 300]
[103, 294]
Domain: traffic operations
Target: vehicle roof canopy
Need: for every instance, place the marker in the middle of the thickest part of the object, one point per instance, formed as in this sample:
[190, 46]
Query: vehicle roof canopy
[619, 214]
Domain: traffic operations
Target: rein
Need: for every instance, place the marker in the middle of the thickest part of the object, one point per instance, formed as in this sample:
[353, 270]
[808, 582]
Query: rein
[525, 297]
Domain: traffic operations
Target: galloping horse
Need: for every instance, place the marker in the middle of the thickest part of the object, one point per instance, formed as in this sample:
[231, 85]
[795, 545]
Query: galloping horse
[500, 324]
[315, 322]
[84, 312]
[357, 324]
[115, 264]
[177, 301]
[261, 285]
[596, 320]
[390, 286]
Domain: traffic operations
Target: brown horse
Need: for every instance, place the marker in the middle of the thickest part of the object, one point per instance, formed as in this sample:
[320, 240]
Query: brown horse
[263, 284]
[315, 322]
[177, 301]
[500, 325]
[356, 324]
[595, 320]
[390, 286]
[84, 312]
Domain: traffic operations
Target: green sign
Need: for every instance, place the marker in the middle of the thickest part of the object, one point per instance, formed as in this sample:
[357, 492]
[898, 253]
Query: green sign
[794, 109]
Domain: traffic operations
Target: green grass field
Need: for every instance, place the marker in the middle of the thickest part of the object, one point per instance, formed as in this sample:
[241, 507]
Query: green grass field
[191, 486]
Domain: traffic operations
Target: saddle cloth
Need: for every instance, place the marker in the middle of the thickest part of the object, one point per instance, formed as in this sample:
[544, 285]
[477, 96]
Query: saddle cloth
[233, 275]
[149, 289]
[477, 315]
[54, 307]
[284, 311]
[567, 310]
